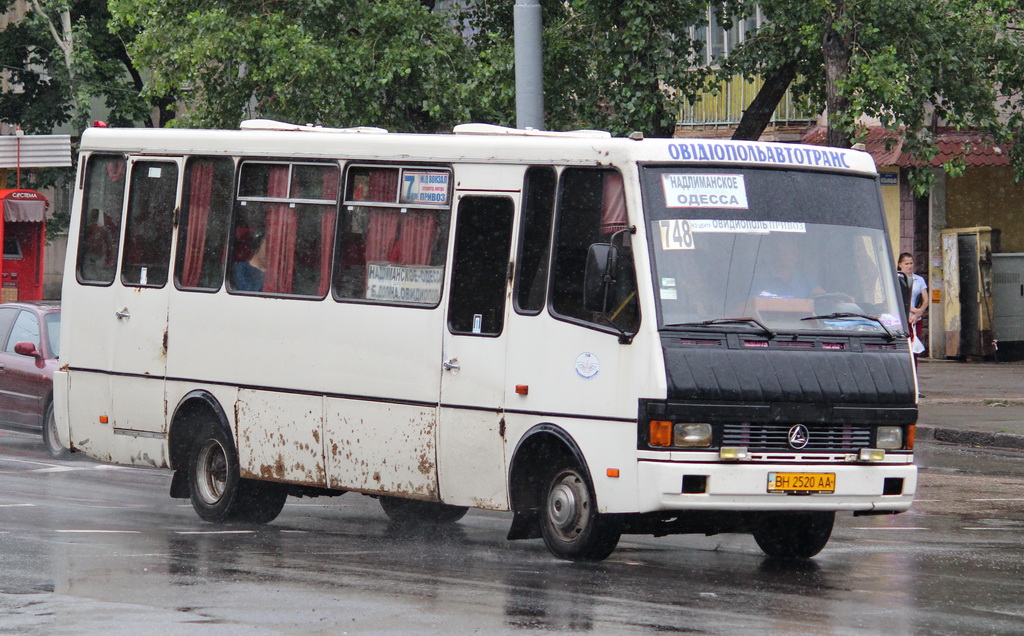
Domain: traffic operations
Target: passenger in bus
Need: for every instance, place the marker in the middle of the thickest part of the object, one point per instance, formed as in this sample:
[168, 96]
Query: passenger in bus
[97, 259]
[247, 275]
[784, 276]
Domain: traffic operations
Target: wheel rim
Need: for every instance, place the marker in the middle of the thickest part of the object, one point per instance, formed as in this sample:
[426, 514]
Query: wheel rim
[568, 506]
[212, 472]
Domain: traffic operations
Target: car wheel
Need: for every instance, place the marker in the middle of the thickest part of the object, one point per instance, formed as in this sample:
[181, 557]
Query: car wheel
[406, 511]
[50, 437]
[570, 524]
[794, 535]
[218, 493]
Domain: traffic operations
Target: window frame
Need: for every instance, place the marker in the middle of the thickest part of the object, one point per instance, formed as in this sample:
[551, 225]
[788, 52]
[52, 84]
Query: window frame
[84, 225]
[445, 212]
[240, 201]
[127, 224]
[553, 268]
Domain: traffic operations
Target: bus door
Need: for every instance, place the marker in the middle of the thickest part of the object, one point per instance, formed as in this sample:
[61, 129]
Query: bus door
[473, 358]
[140, 299]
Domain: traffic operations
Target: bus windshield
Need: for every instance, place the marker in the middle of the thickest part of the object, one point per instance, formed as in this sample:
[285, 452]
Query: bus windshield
[791, 250]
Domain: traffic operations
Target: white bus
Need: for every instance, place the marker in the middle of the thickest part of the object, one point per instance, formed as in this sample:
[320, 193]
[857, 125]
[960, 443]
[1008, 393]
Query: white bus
[601, 335]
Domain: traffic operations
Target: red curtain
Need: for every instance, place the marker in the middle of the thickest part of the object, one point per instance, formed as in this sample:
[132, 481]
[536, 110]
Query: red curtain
[417, 238]
[279, 236]
[613, 209]
[383, 223]
[200, 193]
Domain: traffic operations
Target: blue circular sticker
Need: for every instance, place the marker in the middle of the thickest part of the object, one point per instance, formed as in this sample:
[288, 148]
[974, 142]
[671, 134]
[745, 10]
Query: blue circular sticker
[587, 366]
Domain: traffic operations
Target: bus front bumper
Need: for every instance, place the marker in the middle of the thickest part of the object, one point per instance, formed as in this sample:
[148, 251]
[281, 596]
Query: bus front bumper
[884, 487]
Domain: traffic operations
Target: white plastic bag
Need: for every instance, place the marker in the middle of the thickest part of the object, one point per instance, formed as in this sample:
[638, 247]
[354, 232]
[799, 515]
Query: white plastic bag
[915, 345]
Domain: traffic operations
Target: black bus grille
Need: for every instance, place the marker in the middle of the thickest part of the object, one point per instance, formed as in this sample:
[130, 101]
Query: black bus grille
[775, 437]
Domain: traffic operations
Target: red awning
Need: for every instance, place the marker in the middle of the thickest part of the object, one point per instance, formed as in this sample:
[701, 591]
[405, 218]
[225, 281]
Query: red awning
[23, 205]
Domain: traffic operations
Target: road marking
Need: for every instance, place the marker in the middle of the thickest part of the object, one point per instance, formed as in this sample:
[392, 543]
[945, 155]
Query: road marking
[16, 505]
[215, 532]
[98, 532]
[54, 469]
[999, 499]
[885, 528]
[1014, 528]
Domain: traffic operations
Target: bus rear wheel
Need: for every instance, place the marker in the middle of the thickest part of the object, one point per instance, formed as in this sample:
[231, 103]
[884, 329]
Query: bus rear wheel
[50, 437]
[570, 524]
[218, 493]
[412, 511]
[794, 535]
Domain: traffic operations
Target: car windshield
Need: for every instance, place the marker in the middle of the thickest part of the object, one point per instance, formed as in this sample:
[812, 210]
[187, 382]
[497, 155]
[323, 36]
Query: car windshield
[792, 250]
[53, 332]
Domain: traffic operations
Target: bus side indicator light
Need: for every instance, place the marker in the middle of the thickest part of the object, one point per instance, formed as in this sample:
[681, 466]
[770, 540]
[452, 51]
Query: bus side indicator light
[104, 419]
[613, 472]
[522, 389]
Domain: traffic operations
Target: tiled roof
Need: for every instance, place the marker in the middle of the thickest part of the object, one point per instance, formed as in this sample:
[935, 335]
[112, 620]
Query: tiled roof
[885, 147]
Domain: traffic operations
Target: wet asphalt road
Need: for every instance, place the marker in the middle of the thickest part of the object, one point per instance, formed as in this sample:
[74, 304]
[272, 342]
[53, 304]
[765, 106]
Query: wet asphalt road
[93, 549]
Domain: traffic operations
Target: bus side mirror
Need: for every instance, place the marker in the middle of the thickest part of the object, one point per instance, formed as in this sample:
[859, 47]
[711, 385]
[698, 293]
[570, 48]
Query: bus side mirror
[599, 278]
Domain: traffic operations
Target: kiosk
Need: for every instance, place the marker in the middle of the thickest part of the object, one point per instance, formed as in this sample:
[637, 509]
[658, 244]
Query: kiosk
[23, 235]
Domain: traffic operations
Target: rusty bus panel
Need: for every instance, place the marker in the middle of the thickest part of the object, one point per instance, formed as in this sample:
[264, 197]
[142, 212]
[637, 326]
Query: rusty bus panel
[375, 447]
[279, 437]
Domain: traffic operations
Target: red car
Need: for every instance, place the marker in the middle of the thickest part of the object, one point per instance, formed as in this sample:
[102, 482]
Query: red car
[30, 339]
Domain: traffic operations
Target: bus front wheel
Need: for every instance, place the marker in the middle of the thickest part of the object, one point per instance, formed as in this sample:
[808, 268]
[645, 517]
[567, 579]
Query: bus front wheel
[570, 524]
[218, 493]
[794, 535]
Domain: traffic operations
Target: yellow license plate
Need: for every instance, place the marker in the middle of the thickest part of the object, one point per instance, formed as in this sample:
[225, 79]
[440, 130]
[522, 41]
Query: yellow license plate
[801, 482]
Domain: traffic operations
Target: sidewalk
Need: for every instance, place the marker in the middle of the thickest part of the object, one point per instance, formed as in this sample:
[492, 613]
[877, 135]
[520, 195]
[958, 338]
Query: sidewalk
[977, 404]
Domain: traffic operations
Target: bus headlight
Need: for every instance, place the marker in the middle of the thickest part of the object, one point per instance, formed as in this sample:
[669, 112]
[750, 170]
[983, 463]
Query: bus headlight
[889, 437]
[689, 435]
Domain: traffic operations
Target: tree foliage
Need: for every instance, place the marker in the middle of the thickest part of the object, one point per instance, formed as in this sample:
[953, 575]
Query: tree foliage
[913, 65]
[618, 65]
[63, 58]
[394, 64]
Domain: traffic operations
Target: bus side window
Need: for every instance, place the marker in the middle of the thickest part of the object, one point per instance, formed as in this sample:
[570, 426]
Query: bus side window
[393, 235]
[147, 244]
[483, 238]
[203, 228]
[591, 209]
[284, 229]
[101, 219]
[535, 240]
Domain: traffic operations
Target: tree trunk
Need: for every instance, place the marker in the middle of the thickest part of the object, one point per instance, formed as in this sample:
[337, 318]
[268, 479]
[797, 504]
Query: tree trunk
[836, 48]
[758, 114]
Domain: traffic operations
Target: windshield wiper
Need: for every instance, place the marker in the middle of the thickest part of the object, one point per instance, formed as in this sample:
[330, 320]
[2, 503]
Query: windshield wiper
[845, 315]
[728, 321]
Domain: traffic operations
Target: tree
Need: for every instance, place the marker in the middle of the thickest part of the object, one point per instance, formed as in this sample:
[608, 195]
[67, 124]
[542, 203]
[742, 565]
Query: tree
[62, 57]
[620, 65]
[395, 64]
[955, 63]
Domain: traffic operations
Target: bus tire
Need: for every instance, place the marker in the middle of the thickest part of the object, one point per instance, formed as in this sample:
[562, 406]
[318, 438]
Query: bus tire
[218, 493]
[569, 522]
[414, 511]
[50, 437]
[794, 535]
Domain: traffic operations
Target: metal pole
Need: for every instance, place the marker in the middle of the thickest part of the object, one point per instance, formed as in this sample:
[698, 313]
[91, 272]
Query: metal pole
[529, 66]
[18, 133]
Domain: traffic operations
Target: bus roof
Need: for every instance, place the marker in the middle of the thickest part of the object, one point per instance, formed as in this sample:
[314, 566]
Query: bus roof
[475, 143]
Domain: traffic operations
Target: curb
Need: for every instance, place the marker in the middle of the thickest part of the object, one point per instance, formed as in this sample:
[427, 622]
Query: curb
[991, 402]
[971, 438]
